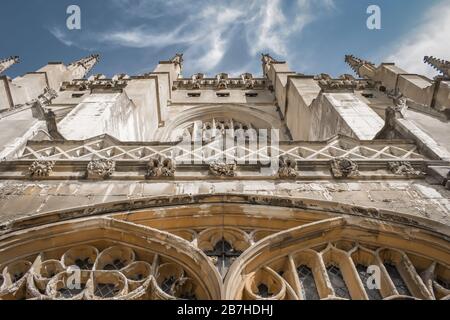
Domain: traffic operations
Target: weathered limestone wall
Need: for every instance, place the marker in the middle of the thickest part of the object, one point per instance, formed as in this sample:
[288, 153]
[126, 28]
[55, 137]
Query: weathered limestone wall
[26, 88]
[111, 113]
[4, 98]
[315, 117]
[144, 106]
[301, 95]
[15, 130]
[19, 199]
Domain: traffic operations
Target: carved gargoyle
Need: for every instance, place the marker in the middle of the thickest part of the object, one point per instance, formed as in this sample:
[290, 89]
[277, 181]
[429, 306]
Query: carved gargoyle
[101, 169]
[344, 168]
[161, 167]
[41, 168]
[404, 168]
[287, 168]
[221, 169]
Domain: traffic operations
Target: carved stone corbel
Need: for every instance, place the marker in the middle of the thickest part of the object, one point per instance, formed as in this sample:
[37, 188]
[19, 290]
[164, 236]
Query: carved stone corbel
[344, 168]
[100, 169]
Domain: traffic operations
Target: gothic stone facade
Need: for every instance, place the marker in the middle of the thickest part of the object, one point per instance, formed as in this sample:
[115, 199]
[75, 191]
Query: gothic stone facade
[93, 175]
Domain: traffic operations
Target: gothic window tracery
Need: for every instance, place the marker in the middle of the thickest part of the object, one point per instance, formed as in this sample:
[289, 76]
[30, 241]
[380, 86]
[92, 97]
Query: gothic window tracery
[301, 263]
[89, 273]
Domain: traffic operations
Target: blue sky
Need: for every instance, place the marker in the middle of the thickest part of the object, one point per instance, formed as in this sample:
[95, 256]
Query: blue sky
[224, 36]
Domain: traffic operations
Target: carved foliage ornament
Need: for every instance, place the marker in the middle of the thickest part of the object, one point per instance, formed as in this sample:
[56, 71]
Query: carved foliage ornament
[344, 168]
[287, 168]
[41, 168]
[161, 167]
[404, 168]
[101, 169]
[221, 169]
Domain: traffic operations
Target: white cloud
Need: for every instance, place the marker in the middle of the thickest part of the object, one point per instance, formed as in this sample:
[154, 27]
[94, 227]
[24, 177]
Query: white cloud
[272, 28]
[61, 36]
[205, 29]
[430, 38]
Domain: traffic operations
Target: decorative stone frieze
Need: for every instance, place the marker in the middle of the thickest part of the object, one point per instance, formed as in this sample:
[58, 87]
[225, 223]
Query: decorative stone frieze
[221, 169]
[287, 168]
[161, 167]
[404, 168]
[101, 169]
[344, 168]
[41, 168]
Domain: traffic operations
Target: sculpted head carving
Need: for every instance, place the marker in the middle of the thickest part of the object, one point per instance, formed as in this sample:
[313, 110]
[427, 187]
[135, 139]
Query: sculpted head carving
[344, 168]
[40, 168]
[161, 167]
[287, 168]
[101, 169]
[222, 169]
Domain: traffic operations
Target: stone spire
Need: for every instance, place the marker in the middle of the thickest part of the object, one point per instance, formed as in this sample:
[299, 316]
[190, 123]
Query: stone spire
[440, 65]
[6, 63]
[83, 66]
[362, 68]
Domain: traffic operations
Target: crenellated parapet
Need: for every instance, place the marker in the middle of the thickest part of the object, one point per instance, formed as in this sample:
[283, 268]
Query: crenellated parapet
[97, 81]
[8, 62]
[220, 81]
[443, 66]
[345, 82]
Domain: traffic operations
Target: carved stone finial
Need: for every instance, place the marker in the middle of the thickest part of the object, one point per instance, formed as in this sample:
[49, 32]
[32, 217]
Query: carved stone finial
[161, 167]
[287, 168]
[404, 168]
[356, 64]
[221, 169]
[440, 65]
[101, 169]
[41, 168]
[344, 168]
[8, 62]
